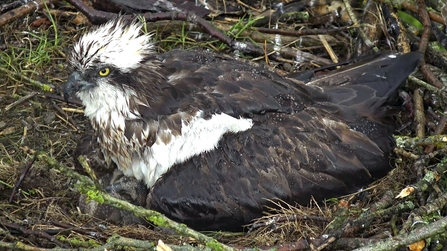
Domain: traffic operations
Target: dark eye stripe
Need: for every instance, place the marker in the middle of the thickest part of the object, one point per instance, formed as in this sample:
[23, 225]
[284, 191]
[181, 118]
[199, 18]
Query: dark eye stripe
[87, 56]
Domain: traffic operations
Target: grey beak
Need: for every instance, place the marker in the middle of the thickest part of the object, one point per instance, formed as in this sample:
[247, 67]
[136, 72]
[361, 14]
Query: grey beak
[72, 85]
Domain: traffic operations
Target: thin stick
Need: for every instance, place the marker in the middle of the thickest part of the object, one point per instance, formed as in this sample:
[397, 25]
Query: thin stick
[42, 86]
[23, 10]
[20, 101]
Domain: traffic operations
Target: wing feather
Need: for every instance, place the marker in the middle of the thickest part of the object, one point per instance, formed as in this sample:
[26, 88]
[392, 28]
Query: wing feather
[306, 141]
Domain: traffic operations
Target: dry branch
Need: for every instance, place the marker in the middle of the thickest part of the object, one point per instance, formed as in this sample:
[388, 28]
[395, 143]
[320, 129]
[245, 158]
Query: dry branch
[40, 85]
[20, 101]
[411, 142]
[430, 230]
[23, 10]
[98, 17]
[419, 113]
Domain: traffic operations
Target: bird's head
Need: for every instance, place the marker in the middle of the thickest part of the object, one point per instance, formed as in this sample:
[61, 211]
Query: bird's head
[111, 62]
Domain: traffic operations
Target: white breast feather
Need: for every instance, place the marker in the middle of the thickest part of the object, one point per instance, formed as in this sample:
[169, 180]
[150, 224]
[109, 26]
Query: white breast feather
[200, 135]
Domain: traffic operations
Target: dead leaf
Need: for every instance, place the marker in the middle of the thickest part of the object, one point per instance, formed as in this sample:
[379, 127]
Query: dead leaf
[405, 192]
[343, 203]
[417, 246]
[162, 246]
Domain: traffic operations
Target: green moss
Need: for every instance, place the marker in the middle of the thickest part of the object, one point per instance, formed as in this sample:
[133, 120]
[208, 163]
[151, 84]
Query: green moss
[78, 243]
[159, 221]
[96, 196]
[84, 189]
[214, 245]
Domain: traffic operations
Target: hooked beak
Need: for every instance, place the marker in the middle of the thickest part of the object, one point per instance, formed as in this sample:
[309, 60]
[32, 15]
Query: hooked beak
[74, 84]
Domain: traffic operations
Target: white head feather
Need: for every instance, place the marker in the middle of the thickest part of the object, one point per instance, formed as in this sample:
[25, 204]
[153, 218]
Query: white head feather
[116, 43]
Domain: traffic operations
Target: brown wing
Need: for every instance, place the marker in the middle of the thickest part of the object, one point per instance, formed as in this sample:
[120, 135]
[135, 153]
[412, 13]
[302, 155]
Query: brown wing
[289, 157]
[306, 141]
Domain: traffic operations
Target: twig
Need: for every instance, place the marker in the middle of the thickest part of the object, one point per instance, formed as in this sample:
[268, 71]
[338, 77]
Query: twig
[440, 36]
[248, 6]
[66, 122]
[98, 17]
[427, 26]
[428, 74]
[300, 56]
[23, 10]
[303, 32]
[114, 243]
[423, 43]
[20, 101]
[429, 178]
[411, 143]
[409, 5]
[352, 243]
[439, 129]
[34, 232]
[73, 110]
[444, 13]
[62, 112]
[162, 221]
[386, 201]
[439, 92]
[11, 5]
[437, 227]
[90, 172]
[351, 227]
[419, 113]
[20, 180]
[42, 86]
[269, 222]
[428, 209]
[60, 98]
[368, 218]
[323, 245]
[407, 102]
[328, 48]
[355, 21]
[69, 227]
[406, 154]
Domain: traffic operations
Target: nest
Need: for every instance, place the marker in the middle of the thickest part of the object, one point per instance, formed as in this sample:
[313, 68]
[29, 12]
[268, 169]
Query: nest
[39, 187]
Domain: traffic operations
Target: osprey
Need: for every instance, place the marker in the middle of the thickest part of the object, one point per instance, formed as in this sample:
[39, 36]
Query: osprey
[215, 139]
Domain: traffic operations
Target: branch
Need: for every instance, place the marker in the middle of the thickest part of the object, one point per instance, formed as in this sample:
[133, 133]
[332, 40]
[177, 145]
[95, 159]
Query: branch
[155, 217]
[437, 227]
[99, 17]
[42, 86]
[439, 141]
[23, 10]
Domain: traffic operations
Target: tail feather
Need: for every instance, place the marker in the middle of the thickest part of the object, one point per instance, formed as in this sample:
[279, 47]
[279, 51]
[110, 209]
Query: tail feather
[367, 87]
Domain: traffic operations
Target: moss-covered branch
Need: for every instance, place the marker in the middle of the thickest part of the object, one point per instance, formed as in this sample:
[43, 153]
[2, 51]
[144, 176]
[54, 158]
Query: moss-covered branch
[439, 141]
[430, 230]
[87, 185]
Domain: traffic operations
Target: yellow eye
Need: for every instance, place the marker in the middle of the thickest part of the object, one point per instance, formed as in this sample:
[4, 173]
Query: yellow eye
[104, 72]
